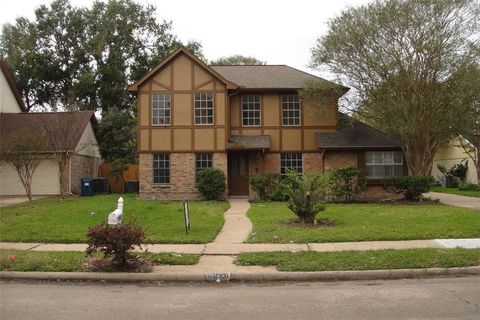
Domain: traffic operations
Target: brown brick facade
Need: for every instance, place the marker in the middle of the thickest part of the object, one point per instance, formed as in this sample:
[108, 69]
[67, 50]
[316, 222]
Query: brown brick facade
[182, 176]
[82, 167]
[340, 159]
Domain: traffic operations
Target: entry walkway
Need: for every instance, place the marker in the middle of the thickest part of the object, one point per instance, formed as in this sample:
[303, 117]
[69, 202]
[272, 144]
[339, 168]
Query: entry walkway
[455, 200]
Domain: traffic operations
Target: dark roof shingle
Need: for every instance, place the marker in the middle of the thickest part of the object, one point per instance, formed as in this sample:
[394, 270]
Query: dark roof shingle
[267, 76]
[353, 134]
[12, 123]
[240, 142]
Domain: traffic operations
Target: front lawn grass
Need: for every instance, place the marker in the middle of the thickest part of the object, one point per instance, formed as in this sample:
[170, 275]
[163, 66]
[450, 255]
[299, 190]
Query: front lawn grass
[363, 260]
[468, 193]
[52, 220]
[70, 261]
[365, 222]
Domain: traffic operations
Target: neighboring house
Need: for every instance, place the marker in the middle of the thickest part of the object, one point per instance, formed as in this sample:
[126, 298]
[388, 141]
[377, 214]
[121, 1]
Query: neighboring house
[82, 146]
[450, 155]
[10, 98]
[244, 120]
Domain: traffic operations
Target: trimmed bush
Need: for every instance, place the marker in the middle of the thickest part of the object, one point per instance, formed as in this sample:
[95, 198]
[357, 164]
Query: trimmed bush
[264, 185]
[342, 184]
[270, 187]
[282, 191]
[115, 241]
[211, 183]
[412, 187]
[306, 195]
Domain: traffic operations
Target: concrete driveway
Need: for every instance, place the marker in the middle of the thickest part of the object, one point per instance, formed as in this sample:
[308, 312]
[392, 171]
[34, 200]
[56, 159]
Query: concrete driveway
[455, 200]
[8, 201]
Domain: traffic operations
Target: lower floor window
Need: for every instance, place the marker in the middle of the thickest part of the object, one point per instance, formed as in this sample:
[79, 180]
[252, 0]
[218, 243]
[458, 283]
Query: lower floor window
[382, 164]
[161, 168]
[291, 161]
[202, 161]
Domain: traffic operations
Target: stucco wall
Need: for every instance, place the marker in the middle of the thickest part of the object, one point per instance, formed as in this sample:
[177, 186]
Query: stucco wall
[451, 155]
[8, 103]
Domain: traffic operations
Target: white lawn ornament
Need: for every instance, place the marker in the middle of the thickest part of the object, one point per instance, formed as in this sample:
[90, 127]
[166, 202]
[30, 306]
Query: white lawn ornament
[115, 218]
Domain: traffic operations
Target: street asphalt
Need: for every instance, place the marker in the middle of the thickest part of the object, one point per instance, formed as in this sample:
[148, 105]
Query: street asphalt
[441, 298]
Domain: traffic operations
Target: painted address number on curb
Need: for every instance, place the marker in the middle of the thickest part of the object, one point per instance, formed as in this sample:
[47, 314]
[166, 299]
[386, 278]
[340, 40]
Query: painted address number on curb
[217, 276]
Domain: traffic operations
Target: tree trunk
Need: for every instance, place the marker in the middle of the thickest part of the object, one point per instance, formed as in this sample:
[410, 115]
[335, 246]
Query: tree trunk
[62, 163]
[418, 163]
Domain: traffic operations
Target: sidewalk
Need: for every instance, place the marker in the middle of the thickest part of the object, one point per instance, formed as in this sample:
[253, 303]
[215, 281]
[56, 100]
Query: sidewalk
[455, 200]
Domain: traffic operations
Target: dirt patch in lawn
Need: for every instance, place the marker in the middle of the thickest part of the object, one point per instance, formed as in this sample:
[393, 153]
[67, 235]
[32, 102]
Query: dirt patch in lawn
[95, 264]
[319, 223]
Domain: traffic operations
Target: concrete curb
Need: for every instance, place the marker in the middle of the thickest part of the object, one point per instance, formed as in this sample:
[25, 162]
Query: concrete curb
[235, 276]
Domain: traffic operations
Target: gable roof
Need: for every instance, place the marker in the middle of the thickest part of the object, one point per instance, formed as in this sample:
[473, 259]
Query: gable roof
[14, 123]
[11, 83]
[354, 135]
[180, 50]
[241, 142]
[268, 76]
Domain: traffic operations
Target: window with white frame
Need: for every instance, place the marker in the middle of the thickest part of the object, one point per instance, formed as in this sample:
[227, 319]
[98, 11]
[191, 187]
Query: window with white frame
[202, 161]
[290, 110]
[251, 110]
[203, 108]
[291, 161]
[161, 168]
[161, 108]
[382, 164]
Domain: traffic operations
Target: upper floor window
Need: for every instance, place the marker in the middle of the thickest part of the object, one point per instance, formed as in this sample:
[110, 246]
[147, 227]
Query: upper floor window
[251, 110]
[202, 161]
[203, 108]
[161, 168]
[291, 161]
[382, 164]
[161, 108]
[290, 110]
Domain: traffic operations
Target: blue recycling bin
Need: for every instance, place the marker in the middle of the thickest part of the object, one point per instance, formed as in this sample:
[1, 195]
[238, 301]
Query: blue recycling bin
[87, 187]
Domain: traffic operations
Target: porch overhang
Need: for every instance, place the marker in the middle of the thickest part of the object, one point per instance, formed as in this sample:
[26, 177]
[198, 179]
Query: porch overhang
[242, 142]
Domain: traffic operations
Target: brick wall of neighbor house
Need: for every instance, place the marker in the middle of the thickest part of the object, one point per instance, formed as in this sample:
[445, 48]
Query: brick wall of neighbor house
[182, 176]
[82, 167]
[337, 159]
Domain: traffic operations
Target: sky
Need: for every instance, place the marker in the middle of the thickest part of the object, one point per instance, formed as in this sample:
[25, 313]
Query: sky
[279, 32]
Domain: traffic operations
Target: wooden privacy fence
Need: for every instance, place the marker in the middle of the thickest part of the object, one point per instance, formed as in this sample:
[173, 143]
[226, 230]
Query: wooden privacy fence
[129, 183]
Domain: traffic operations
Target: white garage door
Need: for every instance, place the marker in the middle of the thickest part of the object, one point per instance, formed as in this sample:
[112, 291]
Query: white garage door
[44, 182]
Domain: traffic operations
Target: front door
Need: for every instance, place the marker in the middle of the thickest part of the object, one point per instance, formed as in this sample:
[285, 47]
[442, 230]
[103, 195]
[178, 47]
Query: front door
[238, 174]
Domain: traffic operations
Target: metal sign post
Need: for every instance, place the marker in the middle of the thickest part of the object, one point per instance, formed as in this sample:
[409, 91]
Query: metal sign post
[186, 214]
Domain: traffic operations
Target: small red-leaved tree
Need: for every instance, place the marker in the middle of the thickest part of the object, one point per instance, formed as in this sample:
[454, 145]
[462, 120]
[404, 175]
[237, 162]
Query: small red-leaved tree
[116, 241]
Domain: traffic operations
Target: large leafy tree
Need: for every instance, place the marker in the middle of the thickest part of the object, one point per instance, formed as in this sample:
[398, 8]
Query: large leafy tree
[400, 57]
[238, 59]
[86, 56]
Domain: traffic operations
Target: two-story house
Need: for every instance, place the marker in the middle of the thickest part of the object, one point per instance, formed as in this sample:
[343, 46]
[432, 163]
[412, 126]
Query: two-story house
[244, 120]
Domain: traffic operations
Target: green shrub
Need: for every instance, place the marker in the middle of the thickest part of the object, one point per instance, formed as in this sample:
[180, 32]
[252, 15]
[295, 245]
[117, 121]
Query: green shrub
[281, 191]
[306, 194]
[412, 187]
[342, 184]
[456, 175]
[211, 183]
[270, 187]
[469, 187]
[115, 241]
[264, 185]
